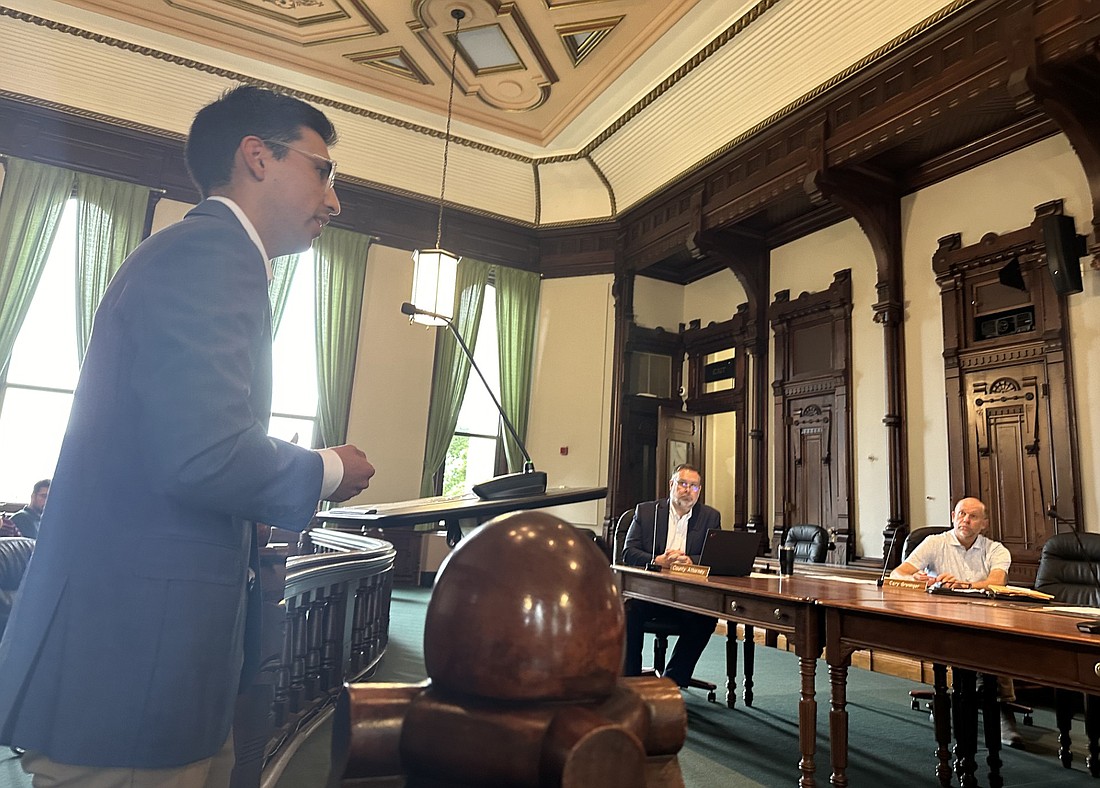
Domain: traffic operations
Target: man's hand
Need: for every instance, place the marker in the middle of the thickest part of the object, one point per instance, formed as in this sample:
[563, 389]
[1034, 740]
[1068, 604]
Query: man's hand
[8, 528]
[357, 472]
[670, 557]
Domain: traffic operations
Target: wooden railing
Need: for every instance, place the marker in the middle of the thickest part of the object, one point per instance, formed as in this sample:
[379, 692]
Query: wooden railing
[325, 622]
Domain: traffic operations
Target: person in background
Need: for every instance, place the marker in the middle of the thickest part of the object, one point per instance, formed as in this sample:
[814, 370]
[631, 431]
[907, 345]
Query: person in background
[28, 518]
[965, 558]
[137, 624]
[669, 532]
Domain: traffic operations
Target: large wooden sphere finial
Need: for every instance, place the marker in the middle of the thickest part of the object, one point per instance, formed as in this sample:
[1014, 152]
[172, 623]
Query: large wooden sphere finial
[525, 608]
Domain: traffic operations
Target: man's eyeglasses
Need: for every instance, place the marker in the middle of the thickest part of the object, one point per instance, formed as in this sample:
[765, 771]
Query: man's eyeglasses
[327, 171]
[683, 484]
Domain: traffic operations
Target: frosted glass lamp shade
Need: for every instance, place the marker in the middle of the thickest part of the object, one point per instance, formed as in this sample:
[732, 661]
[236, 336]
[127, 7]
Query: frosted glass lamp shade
[434, 274]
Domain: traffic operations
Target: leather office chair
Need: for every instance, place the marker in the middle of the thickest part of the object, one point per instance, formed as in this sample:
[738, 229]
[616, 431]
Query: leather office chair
[1069, 568]
[918, 535]
[15, 554]
[659, 629]
[810, 542]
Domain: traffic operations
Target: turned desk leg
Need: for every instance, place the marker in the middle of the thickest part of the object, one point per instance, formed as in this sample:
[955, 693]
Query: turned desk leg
[1092, 732]
[991, 723]
[965, 711]
[807, 721]
[941, 715]
[838, 723]
[1063, 717]
[731, 661]
[750, 664]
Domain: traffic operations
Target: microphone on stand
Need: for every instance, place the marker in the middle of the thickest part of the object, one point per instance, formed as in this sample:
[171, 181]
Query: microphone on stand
[889, 555]
[509, 485]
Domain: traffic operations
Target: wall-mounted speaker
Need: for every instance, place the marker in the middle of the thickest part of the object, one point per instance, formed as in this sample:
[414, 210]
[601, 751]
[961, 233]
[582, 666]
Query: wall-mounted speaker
[1065, 248]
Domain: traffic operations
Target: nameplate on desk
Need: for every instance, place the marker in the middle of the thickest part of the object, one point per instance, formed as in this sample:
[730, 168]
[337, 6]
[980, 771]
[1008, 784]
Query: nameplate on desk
[690, 569]
[893, 582]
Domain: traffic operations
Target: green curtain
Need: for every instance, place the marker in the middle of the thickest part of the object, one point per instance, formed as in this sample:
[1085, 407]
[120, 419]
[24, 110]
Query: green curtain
[30, 207]
[452, 368]
[110, 222]
[341, 266]
[282, 274]
[517, 314]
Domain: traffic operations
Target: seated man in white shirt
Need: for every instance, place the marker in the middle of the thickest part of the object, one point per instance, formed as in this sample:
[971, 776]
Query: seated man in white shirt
[665, 532]
[964, 558]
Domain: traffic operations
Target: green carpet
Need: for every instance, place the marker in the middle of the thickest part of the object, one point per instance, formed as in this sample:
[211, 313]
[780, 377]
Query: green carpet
[890, 744]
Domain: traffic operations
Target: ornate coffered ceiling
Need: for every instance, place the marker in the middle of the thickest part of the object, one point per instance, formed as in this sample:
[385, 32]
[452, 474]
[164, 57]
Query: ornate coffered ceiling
[566, 111]
[526, 68]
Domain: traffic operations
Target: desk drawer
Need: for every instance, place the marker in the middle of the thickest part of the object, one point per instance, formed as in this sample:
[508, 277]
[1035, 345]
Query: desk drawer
[1088, 670]
[764, 612]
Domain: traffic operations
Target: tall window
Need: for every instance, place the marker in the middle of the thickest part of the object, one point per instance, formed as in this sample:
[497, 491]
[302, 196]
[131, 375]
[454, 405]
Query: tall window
[42, 372]
[471, 457]
[294, 361]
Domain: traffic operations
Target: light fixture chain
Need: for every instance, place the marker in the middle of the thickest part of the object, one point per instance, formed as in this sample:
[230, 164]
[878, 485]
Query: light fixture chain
[458, 15]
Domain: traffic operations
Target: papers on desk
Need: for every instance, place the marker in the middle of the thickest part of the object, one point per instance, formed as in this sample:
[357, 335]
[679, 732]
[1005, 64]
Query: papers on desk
[1088, 612]
[1019, 592]
[397, 507]
[837, 578]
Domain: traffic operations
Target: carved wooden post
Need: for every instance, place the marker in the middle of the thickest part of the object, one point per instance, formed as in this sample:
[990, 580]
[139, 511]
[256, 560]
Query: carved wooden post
[623, 292]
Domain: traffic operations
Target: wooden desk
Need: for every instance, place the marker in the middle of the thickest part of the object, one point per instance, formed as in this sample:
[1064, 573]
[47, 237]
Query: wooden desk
[1002, 638]
[785, 604]
[449, 509]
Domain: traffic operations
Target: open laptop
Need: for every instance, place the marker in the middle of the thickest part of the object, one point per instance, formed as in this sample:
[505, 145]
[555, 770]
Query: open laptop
[729, 553]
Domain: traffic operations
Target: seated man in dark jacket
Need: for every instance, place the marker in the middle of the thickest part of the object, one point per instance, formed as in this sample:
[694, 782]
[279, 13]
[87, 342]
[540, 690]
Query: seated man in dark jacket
[28, 518]
[669, 532]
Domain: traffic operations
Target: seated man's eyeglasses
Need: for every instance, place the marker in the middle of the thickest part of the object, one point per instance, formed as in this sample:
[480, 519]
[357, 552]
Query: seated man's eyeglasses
[683, 484]
[327, 169]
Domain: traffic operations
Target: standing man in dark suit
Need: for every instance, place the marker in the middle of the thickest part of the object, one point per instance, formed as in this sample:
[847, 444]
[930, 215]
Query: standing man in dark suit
[123, 656]
[669, 532]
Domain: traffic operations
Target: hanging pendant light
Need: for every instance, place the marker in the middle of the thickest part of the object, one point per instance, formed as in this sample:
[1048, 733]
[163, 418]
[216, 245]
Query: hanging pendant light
[436, 270]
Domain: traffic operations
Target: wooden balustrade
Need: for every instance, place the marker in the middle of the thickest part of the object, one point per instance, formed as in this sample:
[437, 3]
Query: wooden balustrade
[325, 621]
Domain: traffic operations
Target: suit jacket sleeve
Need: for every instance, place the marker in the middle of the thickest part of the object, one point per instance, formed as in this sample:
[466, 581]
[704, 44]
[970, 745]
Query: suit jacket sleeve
[638, 548]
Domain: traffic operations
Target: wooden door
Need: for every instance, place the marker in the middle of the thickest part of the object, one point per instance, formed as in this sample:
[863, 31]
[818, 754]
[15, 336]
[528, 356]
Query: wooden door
[1009, 419]
[679, 440]
[810, 441]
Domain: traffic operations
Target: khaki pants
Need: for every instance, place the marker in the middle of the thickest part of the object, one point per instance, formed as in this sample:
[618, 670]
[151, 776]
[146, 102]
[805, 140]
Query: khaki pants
[212, 772]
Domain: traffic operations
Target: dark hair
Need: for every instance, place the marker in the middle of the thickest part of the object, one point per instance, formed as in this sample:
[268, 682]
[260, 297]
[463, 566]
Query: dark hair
[218, 129]
[39, 485]
[684, 466]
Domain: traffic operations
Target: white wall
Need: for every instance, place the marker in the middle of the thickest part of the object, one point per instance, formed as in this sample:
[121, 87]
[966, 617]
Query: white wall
[571, 389]
[658, 304]
[714, 299]
[393, 378]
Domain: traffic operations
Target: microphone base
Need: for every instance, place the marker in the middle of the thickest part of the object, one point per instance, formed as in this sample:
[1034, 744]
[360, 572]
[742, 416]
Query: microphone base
[511, 485]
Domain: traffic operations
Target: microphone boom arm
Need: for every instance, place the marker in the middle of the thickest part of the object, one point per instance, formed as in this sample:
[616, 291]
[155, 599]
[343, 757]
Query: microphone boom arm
[530, 481]
[500, 408]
